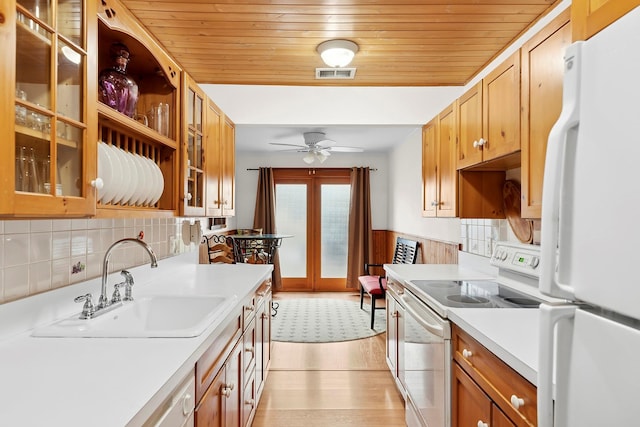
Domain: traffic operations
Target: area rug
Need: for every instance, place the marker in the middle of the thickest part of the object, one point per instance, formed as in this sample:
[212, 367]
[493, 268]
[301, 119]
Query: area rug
[317, 320]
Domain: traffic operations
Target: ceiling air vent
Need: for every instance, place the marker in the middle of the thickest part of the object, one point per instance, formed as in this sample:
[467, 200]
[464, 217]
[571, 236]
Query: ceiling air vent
[335, 73]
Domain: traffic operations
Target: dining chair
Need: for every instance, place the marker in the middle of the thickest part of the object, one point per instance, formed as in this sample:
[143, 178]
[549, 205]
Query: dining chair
[406, 252]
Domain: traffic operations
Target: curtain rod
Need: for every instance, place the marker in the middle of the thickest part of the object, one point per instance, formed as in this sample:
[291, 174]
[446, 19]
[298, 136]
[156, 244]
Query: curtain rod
[257, 169]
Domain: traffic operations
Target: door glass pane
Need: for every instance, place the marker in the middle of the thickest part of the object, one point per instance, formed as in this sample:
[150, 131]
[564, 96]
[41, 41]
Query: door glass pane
[70, 97]
[291, 218]
[70, 20]
[41, 9]
[69, 163]
[33, 62]
[334, 228]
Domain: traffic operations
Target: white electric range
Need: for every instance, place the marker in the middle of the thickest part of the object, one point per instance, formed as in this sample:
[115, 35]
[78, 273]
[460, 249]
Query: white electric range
[429, 298]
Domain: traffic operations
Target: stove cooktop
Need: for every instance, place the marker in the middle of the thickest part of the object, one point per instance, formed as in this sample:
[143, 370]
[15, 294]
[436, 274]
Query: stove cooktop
[474, 294]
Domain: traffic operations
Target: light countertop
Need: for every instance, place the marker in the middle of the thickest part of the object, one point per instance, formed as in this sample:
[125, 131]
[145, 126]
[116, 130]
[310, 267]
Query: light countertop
[106, 381]
[511, 334]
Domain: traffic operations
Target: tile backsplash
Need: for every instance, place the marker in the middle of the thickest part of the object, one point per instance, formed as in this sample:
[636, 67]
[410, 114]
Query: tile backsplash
[39, 255]
[479, 236]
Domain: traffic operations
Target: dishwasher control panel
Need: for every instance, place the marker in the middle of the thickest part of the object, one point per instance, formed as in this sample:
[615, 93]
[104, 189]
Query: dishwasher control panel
[519, 258]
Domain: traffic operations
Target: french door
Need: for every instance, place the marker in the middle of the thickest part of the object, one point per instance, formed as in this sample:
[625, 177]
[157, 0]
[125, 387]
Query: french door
[313, 206]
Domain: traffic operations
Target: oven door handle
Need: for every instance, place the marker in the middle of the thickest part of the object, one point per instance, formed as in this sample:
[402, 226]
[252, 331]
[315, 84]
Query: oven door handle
[435, 329]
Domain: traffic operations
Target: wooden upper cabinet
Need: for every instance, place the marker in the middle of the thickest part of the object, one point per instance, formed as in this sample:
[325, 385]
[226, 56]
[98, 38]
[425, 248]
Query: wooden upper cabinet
[588, 17]
[470, 127]
[447, 176]
[47, 111]
[228, 184]
[439, 173]
[192, 188]
[501, 109]
[429, 168]
[541, 91]
[213, 160]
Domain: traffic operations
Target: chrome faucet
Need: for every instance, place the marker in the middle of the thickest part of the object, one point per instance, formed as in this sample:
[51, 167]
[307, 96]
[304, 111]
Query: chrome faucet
[104, 300]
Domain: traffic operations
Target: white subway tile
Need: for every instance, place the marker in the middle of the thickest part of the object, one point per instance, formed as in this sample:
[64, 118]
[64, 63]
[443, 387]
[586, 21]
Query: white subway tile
[40, 244]
[60, 272]
[61, 225]
[16, 282]
[39, 277]
[94, 241]
[61, 245]
[16, 249]
[78, 243]
[16, 227]
[79, 224]
[41, 226]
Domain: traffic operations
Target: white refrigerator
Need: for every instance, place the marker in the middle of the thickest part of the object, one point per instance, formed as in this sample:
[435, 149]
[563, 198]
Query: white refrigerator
[589, 360]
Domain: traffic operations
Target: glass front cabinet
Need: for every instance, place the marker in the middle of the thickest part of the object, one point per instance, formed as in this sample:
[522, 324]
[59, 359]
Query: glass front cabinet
[48, 153]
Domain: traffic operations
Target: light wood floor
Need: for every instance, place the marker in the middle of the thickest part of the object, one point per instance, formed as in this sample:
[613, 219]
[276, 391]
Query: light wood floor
[329, 384]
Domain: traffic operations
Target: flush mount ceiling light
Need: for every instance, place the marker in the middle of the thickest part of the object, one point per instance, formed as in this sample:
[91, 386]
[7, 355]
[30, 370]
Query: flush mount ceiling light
[337, 53]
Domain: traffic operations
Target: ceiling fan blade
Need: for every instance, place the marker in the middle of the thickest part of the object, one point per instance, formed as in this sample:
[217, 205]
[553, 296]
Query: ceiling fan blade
[288, 145]
[339, 149]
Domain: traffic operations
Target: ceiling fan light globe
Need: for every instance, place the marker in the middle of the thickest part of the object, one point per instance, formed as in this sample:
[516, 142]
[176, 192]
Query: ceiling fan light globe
[309, 158]
[321, 157]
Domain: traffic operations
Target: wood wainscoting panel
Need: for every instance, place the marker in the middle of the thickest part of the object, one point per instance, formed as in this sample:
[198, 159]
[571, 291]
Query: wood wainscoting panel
[429, 252]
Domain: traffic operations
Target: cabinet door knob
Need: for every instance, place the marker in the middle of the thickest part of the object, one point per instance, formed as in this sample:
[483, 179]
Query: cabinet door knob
[516, 401]
[394, 314]
[482, 142]
[97, 183]
[466, 353]
[482, 424]
[434, 203]
[187, 404]
[188, 196]
[226, 391]
[475, 144]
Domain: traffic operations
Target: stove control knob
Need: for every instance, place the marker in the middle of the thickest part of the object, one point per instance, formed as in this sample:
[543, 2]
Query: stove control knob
[534, 261]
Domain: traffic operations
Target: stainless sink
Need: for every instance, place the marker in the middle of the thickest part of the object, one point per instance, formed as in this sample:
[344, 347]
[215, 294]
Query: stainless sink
[147, 317]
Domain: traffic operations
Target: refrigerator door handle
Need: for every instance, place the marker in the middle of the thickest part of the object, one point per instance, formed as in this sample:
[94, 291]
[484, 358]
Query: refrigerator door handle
[552, 344]
[557, 170]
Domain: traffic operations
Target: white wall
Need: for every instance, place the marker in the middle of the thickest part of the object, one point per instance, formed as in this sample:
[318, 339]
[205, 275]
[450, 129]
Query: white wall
[247, 181]
[405, 196]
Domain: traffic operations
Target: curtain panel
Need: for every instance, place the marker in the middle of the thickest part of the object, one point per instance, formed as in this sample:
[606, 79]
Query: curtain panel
[265, 215]
[360, 237]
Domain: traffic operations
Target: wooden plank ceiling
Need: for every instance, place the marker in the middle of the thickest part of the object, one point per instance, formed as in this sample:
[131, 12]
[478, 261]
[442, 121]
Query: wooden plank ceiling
[273, 42]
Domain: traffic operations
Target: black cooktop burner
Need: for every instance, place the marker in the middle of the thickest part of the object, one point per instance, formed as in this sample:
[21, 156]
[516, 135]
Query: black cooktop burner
[478, 294]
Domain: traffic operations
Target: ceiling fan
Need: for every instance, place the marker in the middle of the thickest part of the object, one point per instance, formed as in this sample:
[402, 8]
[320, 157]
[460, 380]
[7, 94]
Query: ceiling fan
[318, 147]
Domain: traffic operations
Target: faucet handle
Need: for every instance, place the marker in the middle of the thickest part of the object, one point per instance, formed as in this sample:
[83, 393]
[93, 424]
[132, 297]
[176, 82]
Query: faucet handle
[116, 293]
[88, 308]
[128, 284]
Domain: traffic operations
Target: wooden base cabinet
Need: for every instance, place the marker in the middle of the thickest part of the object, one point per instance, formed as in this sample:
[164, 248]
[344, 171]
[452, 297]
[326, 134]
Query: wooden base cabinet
[263, 335]
[395, 313]
[487, 390]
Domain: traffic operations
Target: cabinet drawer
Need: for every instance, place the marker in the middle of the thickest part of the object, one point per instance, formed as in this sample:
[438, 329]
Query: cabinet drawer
[496, 378]
[249, 345]
[249, 401]
[249, 311]
[213, 359]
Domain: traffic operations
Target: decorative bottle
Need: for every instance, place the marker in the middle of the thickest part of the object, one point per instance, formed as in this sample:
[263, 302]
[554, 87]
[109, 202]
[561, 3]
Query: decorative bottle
[116, 88]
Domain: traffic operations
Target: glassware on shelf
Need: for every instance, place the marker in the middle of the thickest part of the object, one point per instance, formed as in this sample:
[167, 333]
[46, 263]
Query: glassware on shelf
[21, 110]
[26, 173]
[116, 88]
[159, 115]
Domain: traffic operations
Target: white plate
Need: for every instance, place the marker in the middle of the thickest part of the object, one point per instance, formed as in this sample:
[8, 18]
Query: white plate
[138, 184]
[116, 175]
[133, 177]
[105, 172]
[125, 175]
[147, 182]
[153, 181]
[158, 182]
